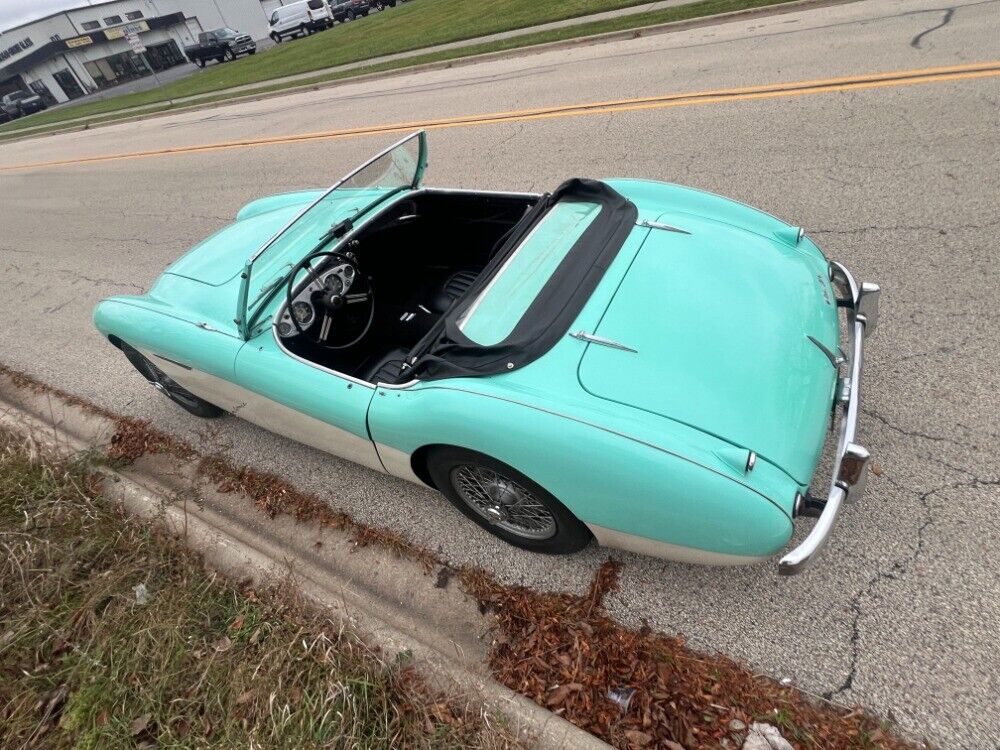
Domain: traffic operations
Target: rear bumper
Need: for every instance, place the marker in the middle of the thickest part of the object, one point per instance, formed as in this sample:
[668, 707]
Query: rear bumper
[850, 469]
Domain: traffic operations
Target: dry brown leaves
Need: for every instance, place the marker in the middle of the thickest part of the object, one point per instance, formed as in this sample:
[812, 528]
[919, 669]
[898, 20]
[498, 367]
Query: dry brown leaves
[565, 653]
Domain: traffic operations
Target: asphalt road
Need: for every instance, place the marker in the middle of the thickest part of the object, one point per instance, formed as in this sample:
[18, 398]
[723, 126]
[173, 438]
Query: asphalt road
[900, 182]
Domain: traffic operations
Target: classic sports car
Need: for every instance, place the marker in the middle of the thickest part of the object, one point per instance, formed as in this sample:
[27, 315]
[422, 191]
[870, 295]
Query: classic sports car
[639, 363]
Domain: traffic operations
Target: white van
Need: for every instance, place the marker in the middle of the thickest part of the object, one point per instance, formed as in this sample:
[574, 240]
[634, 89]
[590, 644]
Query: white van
[299, 19]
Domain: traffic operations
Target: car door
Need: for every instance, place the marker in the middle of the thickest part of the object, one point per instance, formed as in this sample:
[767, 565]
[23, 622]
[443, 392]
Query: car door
[304, 402]
[286, 393]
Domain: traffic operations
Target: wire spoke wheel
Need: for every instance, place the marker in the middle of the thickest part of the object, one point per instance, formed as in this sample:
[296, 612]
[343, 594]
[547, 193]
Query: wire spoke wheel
[163, 382]
[503, 502]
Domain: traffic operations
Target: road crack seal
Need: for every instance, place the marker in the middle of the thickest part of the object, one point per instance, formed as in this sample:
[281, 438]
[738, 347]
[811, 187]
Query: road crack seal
[948, 15]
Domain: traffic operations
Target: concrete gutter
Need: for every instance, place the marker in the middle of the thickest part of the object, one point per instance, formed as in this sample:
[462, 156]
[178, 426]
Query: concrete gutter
[197, 104]
[391, 601]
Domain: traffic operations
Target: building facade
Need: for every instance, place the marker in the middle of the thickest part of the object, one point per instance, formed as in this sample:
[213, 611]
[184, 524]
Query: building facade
[76, 52]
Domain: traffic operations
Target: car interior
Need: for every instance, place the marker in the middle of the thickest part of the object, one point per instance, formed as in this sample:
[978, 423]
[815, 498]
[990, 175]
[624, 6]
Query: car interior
[359, 310]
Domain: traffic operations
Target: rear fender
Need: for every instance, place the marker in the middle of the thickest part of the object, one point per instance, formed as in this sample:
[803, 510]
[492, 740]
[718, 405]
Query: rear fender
[604, 478]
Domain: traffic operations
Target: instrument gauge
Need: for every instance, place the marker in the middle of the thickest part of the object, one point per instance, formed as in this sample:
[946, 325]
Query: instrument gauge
[303, 313]
[334, 284]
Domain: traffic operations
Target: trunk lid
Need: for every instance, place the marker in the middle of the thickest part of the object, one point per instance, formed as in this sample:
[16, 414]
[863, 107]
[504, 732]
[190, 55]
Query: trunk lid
[719, 320]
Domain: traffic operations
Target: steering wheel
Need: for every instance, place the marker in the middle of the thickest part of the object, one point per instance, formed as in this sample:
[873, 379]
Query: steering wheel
[330, 296]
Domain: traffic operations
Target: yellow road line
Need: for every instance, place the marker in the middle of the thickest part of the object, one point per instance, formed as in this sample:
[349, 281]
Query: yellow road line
[715, 96]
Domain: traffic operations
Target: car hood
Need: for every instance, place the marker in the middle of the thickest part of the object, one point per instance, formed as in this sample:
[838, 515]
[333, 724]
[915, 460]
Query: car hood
[223, 255]
[720, 319]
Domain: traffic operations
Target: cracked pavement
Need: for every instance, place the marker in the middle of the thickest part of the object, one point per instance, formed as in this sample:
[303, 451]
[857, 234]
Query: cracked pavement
[901, 184]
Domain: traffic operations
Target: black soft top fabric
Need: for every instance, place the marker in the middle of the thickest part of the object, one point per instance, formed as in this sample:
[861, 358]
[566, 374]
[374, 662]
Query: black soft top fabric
[446, 352]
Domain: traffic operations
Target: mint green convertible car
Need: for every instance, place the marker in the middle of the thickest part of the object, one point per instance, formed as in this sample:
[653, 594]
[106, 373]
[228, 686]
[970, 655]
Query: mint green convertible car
[634, 362]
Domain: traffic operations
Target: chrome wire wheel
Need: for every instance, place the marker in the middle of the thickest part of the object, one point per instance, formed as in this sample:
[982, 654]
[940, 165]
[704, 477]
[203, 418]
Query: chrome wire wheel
[503, 502]
[169, 387]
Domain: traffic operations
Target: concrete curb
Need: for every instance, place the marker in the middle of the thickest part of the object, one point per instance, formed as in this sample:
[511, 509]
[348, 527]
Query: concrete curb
[611, 36]
[389, 600]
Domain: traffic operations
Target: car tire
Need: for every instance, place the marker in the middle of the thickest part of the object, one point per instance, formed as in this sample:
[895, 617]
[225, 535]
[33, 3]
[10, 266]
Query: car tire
[200, 62]
[350, 16]
[168, 387]
[276, 38]
[505, 502]
[228, 55]
[252, 52]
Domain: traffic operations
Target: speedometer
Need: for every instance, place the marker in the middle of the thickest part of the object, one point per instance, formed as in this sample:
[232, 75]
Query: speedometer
[303, 313]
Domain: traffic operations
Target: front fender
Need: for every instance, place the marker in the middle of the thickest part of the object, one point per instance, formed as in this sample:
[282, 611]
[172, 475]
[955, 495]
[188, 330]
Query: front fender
[281, 200]
[606, 479]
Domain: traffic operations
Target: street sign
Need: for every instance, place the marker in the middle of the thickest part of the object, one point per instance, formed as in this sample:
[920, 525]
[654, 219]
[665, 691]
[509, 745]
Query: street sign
[135, 43]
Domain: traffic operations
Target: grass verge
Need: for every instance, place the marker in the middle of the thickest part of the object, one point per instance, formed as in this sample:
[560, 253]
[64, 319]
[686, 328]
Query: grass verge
[632, 688]
[114, 636]
[401, 30]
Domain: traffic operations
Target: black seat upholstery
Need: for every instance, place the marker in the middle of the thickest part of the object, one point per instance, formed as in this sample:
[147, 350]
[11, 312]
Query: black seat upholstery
[384, 369]
[454, 287]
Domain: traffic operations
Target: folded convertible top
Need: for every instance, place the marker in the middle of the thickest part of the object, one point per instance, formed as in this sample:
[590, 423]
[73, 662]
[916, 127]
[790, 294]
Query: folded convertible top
[446, 352]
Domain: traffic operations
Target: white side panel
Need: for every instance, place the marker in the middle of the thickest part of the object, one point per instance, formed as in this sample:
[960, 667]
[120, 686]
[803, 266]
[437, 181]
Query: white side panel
[398, 463]
[273, 416]
[642, 545]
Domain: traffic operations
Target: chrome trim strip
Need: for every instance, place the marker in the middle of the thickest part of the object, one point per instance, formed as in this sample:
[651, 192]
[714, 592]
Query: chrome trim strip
[297, 358]
[835, 360]
[850, 469]
[658, 225]
[601, 341]
[727, 475]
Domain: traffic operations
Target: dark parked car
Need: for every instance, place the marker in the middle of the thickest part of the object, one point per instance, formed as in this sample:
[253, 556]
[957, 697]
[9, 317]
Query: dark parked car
[20, 103]
[220, 44]
[348, 10]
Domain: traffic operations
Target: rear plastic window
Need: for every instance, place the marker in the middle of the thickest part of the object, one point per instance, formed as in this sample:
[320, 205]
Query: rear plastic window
[492, 317]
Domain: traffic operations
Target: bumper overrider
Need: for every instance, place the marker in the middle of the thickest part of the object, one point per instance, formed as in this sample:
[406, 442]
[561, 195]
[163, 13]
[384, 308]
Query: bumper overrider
[850, 469]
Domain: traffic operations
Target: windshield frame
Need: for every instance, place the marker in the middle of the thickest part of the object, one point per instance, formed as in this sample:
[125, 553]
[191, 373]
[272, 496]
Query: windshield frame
[245, 318]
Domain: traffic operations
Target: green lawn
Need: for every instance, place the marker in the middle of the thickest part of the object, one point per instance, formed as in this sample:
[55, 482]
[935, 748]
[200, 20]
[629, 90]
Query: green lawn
[415, 25]
[113, 636]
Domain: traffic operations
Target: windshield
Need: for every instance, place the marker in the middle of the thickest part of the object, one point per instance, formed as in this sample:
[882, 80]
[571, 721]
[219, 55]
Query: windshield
[224, 33]
[16, 96]
[398, 168]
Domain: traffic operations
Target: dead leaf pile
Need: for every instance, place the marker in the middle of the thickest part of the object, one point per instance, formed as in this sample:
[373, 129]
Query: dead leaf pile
[565, 653]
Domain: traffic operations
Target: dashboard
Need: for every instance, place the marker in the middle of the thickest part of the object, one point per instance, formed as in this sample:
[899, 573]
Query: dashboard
[335, 281]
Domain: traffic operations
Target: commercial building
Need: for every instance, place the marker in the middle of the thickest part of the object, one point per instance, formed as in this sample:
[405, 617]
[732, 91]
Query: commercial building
[76, 52]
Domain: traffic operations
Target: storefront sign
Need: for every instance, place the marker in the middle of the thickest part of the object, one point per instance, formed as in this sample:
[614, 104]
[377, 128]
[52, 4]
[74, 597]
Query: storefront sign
[79, 41]
[123, 31]
[137, 46]
[13, 49]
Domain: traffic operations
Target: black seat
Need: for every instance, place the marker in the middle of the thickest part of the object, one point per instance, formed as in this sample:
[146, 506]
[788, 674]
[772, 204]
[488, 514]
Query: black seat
[384, 369]
[454, 287]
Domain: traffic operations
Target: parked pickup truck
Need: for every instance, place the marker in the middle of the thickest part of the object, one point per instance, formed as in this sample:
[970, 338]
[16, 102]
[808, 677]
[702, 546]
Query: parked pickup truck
[220, 44]
[348, 10]
[18, 104]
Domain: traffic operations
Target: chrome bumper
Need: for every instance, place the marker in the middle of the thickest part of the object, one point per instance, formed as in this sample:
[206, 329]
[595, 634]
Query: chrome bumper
[850, 470]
